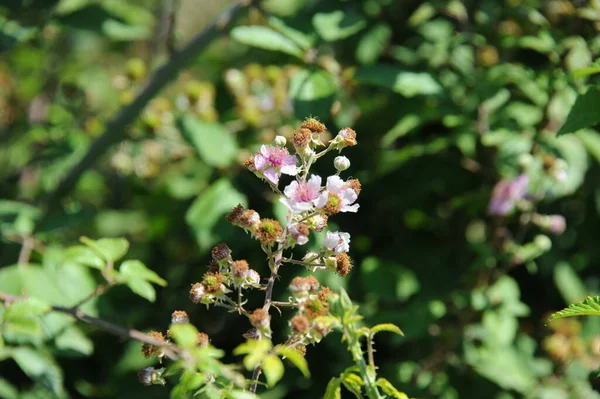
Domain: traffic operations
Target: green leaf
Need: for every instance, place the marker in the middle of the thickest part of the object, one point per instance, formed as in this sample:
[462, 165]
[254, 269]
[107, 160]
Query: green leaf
[137, 270]
[302, 39]
[585, 112]
[590, 306]
[26, 307]
[215, 144]
[312, 93]
[389, 389]
[568, 283]
[84, 256]
[7, 391]
[587, 71]
[267, 39]
[591, 140]
[185, 335]
[111, 249]
[255, 350]
[333, 390]
[295, 358]
[273, 368]
[387, 327]
[74, 341]
[373, 43]
[40, 367]
[142, 288]
[22, 330]
[409, 84]
[209, 207]
[353, 383]
[337, 25]
[241, 395]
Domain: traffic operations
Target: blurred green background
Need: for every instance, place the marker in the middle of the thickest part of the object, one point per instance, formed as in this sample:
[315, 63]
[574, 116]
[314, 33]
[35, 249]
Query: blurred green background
[447, 98]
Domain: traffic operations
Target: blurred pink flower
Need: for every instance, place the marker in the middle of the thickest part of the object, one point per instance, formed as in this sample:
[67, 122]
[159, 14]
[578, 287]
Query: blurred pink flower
[336, 186]
[273, 161]
[506, 194]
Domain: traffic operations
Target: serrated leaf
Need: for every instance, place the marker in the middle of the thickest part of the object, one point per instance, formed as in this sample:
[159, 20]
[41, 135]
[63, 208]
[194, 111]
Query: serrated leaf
[295, 358]
[137, 270]
[387, 327]
[266, 38]
[584, 113]
[185, 335]
[389, 389]
[273, 368]
[590, 306]
[111, 249]
[303, 40]
[333, 390]
[337, 25]
[142, 288]
[84, 256]
[214, 143]
[407, 83]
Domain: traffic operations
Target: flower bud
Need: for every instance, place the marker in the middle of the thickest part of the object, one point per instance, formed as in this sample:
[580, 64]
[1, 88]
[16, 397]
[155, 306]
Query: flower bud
[280, 141]
[341, 163]
[151, 376]
[253, 278]
[345, 138]
[542, 242]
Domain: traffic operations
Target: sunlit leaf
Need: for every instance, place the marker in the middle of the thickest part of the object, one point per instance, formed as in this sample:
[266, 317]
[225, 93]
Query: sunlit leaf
[387, 327]
[590, 306]
[265, 38]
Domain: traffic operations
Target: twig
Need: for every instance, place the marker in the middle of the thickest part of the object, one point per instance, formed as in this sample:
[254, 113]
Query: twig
[115, 128]
[171, 351]
[25, 253]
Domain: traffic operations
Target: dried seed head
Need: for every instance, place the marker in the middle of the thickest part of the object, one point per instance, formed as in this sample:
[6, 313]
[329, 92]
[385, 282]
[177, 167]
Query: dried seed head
[213, 282]
[354, 184]
[315, 308]
[235, 214]
[300, 324]
[149, 350]
[343, 264]
[203, 339]
[221, 252]
[260, 318]
[324, 294]
[240, 268]
[301, 138]
[145, 376]
[304, 284]
[313, 125]
[318, 222]
[179, 317]
[197, 292]
[349, 136]
[268, 231]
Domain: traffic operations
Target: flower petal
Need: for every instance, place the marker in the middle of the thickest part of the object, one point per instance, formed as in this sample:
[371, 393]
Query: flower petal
[260, 162]
[289, 170]
[321, 200]
[334, 184]
[271, 175]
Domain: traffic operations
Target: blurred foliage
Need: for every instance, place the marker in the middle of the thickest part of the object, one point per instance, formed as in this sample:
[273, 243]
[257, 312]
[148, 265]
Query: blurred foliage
[447, 97]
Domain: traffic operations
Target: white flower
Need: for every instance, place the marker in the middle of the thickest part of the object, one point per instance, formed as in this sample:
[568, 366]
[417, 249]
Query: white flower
[338, 242]
[347, 196]
[300, 233]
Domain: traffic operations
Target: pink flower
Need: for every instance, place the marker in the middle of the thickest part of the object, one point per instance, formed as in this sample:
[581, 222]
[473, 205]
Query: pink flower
[506, 194]
[345, 196]
[273, 161]
[304, 195]
[337, 242]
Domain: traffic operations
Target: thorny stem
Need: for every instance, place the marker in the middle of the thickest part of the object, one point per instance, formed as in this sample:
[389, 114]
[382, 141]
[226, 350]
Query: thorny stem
[171, 351]
[367, 373]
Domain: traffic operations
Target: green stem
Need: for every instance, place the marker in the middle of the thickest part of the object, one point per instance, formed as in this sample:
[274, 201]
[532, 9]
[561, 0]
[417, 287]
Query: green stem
[367, 373]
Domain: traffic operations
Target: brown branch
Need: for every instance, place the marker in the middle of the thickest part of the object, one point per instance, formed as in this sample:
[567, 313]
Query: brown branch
[25, 253]
[115, 128]
[171, 351]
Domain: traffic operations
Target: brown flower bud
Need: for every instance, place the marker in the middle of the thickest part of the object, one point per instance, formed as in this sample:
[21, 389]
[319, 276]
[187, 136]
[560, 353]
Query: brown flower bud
[260, 318]
[179, 317]
[197, 292]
